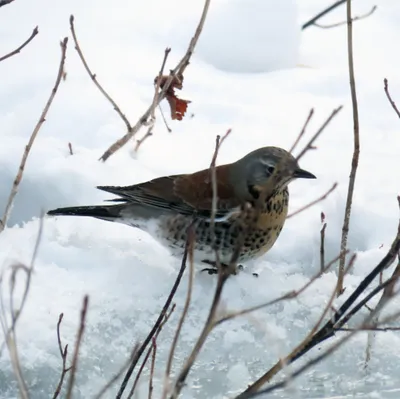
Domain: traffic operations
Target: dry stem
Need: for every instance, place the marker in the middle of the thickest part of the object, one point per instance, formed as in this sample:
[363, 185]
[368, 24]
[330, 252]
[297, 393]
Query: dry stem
[74, 363]
[356, 152]
[327, 10]
[322, 243]
[154, 104]
[153, 331]
[177, 71]
[63, 354]
[312, 203]
[28, 147]
[392, 103]
[25, 43]
[303, 130]
[356, 18]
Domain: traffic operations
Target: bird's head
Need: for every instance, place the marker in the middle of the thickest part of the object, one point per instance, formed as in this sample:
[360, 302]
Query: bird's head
[266, 168]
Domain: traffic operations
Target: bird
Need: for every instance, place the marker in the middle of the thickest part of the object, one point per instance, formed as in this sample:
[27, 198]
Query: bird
[250, 210]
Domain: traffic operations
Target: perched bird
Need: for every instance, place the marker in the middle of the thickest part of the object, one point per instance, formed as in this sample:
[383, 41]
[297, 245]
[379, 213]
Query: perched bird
[251, 208]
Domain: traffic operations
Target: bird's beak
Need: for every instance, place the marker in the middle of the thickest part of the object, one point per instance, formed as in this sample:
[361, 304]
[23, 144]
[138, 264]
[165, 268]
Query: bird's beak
[303, 174]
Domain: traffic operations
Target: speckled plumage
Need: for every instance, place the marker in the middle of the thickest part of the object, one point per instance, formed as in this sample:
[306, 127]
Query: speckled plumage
[251, 209]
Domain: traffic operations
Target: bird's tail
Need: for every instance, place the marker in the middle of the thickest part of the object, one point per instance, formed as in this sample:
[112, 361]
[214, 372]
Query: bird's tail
[106, 212]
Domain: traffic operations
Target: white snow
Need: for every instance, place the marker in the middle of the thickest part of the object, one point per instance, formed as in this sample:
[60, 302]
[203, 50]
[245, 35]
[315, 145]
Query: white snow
[126, 274]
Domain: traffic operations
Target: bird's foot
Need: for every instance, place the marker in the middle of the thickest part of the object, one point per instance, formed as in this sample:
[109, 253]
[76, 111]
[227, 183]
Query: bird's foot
[214, 269]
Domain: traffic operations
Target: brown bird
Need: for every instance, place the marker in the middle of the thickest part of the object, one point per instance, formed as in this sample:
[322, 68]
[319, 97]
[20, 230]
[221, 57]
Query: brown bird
[252, 205]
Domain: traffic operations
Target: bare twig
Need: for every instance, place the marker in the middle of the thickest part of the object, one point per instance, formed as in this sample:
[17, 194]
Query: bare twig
[154, 104]
[191, 240]
[288, 296]
[309, 145]
[153, 331]
[303, 130]
[75, 356]
[322, 244]
[356, 151]
[313, 20]
[356, 18]
[70, 149]
[114, 379]
[9, 332]
[28, 147]
[153, 361]
[25, 43]
[312, 203]
[94, 78]
[63, 354]
[149, 351]
[164, 120]
[392, 103]
[176, 72]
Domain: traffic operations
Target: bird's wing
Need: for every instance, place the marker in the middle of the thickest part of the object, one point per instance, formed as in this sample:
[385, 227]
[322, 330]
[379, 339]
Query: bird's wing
[185, 194]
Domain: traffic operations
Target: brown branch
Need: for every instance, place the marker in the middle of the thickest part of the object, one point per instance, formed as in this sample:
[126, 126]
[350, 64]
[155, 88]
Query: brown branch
[28, 147]
[392, 103]
[303, 130]
[156, 325]
[309, 145]
[154, 104]
[74, 363]
[149, 351]
[115, 378]
[312, 203]
[175, 73]
[191, 240]
[322, 243]
[153, 361]
[288, 296]
[356, 18]
[94, 78]
[356, 151]
[25, 43]
[63, 354]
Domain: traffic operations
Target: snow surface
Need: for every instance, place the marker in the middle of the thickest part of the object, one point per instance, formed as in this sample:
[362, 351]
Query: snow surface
[126, 274]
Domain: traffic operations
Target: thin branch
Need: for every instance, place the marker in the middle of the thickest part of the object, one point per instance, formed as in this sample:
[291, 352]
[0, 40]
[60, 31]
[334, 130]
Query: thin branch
[312, 203]
[154, 104]
[175, 73]
[322, 243]
[191, 239]
[164, 120]
[25, 43]
[338, 319]
[116, 377]
[356, 18]
[71, 152]
[289, 295]
[153, 331]
[93, 76]
[356, 151]
[74, 363]
[310, 144]
[303, 130]
[28, 147]
[392, 103]
[9, 332]
[149, 351]
[153, 361]
[63, 354]
[327, 10]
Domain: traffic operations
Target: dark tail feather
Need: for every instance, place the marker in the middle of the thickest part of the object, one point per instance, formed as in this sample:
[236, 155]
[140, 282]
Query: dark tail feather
[110, 212]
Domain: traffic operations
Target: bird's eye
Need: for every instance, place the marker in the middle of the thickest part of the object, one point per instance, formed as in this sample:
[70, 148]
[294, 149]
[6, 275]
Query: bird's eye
[270, 169]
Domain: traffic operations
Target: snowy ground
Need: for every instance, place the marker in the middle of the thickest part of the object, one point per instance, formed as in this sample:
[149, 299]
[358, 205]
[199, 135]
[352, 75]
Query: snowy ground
[125, 273]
